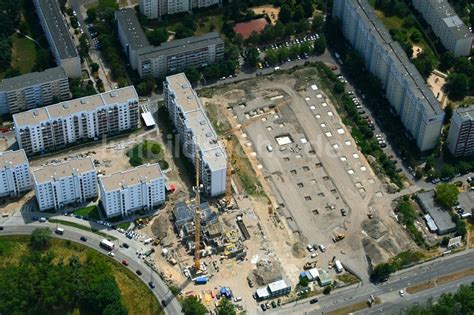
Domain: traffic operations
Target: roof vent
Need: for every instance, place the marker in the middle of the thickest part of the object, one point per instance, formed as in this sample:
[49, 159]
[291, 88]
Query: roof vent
[83, 101]
[35, 113]
[202, 122]
[65, 105]
[209, 134]
[113, 94]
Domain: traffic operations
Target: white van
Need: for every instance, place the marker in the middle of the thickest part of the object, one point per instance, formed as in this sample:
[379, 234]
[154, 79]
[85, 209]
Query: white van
[269, 148]
[322, 248]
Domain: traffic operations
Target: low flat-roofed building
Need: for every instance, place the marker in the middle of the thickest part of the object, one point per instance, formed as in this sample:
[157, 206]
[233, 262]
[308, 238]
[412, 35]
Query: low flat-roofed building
[441, 218]
[33, 90]
[70, 182]
[139, 188]
[15, 176]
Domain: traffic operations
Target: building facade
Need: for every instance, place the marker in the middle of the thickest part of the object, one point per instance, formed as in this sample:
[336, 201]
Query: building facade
[153, 9]
[404, 87]
[139, 188]
[57, 185]
[461, 132]
[446, 25]
[15, 176]
[57, 33]
[170, 57]
[89, 118]
[33, 90]
[196, 133]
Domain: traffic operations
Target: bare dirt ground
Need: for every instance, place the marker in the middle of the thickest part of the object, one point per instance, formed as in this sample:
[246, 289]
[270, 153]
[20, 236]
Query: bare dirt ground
[436, 82]
[416, 51]
[271, 11]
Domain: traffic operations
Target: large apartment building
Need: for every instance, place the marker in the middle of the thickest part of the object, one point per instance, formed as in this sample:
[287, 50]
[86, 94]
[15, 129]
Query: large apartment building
[404, 87]
[123, 193]
[461, 132]
[60, 41]
[15, 176]
[196, 133]
[57, 185]
[48, 128]
[170, 57]
[446, 25]
[33, 90]
[153, 9]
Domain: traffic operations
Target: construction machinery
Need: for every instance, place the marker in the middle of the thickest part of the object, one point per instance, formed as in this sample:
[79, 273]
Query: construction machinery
[339, 237]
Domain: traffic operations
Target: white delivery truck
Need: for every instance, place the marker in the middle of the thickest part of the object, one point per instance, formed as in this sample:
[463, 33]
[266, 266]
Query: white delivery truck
[338, 266]
[106, 244]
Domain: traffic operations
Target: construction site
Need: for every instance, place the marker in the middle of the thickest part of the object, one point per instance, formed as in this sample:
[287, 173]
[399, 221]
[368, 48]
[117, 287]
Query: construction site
[301, 201]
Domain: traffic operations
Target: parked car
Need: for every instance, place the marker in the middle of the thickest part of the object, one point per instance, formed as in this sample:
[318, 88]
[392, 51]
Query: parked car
[138, 272]
[313, 301]
[83, 238]
[125, 262]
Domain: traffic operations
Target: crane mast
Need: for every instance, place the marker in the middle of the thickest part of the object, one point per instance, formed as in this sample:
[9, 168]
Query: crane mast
[197, 216]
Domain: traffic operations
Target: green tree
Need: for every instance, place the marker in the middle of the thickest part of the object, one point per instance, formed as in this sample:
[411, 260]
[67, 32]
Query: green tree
[11, 72]
[105, 4]
[91, 15]
[183, 31]
[225, 307]
[446, 195]
[40, 239]
[83, 46]
[285, 14]
[271, 57]
[416, 36]
[317, 23]
[294, 51]
[94, 67]
[457, 86]
[425, 64]
[304, 282]
[192, 306]
[193, 75]
[308, 8]
[327, 290]
[5, 53]
[381, 272]
[446, 61]
[448, 113]
[211, 72]
[283, 53]
[320, 45]
[158, 36]
[252, 57]
[298, 13]
[146, 87]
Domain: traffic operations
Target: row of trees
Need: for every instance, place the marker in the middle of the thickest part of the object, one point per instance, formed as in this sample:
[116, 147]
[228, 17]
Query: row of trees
[460, 82]
[43, 283]
[382, 271]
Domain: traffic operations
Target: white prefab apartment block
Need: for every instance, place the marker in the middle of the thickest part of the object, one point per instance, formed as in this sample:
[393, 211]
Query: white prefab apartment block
[15, 176]
[57, 185]
[404, 87]
[89, 118]
[153, 9]
[447, 26]
[461, 132]
[33, 90]
[196, 133]
[60, 40]
[139, 188]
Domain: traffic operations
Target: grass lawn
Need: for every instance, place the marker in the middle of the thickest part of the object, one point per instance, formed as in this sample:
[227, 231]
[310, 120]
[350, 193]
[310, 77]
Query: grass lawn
[123, 225]
[136, 296]
[23, 54]
[81, 227]
[91, 212]
[204, 24]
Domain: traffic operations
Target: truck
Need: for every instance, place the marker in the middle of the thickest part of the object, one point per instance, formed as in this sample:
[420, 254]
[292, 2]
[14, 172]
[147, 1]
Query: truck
[106, 244]
[148, 240]
[59, 231]
[338, 265]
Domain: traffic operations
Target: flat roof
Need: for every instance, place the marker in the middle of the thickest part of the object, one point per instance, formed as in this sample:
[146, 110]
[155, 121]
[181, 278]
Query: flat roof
[12, 158]
[52, 172]
[196, 120]
[441, 218]
[465, 113]
[128, 22]
[178, 46]
[78, 105]
[431, 224]
[277, 286]
[398, 55]
[263, 292]
[148, 119]
[444, 11]
[55, 23]
[131, 177]
[33, 78]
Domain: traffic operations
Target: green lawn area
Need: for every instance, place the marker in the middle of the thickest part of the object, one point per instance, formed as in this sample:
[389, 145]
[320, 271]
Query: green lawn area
[91, 212]
[23, 54]
[81, 227]
[123, 225]
[136, 296]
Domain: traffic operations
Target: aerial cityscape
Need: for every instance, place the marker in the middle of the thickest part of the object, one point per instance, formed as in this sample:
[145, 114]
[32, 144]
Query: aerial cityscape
[237, 157]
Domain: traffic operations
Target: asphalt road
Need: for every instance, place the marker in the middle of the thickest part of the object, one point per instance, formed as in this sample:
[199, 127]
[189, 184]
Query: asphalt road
[161, 291]
[388, 291]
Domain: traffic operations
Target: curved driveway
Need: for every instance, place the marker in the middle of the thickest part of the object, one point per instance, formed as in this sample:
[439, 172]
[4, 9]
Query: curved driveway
[161, 291]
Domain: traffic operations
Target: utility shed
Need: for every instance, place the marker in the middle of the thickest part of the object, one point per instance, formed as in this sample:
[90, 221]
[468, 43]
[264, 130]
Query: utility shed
[324, 278]
[441, 217]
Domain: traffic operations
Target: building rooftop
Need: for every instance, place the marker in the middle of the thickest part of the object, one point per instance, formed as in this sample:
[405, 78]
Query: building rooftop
[197, 121]
[134, 176]
[57, 28]
[441, 218]
[400, 59]
[31, 79]
[54, 172]
[12, 158]
[277, 285]
[466, 113]
[445, 12]
[68, 108]
[128, 21]
[182, 45]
